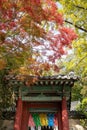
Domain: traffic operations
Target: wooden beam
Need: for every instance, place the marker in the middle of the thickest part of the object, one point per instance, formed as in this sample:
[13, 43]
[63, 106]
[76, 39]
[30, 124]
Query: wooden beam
[43, 110]
[42, 99]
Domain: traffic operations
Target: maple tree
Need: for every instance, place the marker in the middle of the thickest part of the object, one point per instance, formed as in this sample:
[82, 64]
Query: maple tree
[32, 38]
[32, 35]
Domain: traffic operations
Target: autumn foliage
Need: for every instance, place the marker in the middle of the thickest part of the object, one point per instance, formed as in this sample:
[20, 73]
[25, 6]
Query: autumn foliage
[33, 30]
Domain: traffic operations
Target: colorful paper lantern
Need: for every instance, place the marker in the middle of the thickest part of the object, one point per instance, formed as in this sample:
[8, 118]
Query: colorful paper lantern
[50, 119]
[43, 119]
[31, 121]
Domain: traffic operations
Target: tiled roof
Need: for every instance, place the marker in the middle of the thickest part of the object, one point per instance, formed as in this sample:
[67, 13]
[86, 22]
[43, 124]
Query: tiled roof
[45, 80]
[59, 77]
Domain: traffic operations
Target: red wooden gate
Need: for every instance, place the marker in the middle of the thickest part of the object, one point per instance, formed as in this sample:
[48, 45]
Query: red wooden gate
[22, 113]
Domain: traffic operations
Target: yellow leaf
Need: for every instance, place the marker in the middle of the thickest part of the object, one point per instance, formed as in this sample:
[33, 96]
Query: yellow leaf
[2, 64]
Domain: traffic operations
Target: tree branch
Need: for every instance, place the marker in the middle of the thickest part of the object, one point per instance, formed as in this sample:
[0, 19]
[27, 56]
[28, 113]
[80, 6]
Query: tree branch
[80, 7]
[82, 59]
[76, 26]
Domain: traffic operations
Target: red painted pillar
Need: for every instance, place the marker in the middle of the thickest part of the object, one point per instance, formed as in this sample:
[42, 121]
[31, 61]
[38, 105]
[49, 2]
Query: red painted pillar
[65, 121]
[18, 117]
[25, 117]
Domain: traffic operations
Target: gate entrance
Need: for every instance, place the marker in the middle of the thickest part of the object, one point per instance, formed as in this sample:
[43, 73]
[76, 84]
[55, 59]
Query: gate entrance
[41, 102]
[44, 116]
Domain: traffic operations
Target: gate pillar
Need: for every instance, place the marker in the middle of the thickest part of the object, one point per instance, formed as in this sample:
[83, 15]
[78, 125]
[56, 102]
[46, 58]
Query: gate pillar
[18, 116]
[65, 121]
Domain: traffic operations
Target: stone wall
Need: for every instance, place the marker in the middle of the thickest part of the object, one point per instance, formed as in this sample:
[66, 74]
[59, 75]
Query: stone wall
[6, 124]
[74, 124]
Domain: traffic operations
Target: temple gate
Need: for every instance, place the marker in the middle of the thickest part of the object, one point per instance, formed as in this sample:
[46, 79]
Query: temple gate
[44, 105]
